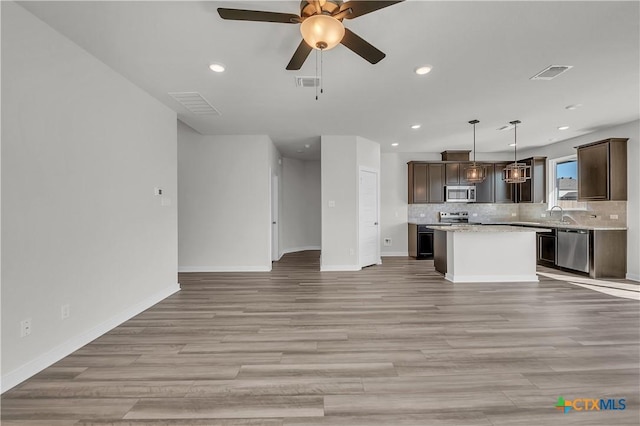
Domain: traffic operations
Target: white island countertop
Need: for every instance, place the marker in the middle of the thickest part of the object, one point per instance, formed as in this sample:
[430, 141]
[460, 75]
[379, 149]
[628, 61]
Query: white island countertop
[487, 228]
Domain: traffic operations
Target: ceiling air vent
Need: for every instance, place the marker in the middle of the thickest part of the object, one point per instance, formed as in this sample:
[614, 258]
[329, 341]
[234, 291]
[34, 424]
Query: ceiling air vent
[194, 102]
[307, 81]
[551, 72]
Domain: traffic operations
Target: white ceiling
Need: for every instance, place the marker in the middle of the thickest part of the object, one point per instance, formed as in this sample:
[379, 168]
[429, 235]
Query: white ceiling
[482, 53]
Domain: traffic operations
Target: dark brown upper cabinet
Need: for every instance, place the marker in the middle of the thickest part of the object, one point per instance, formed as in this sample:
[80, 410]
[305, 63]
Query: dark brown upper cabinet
[504, 192]
[455, 174]
[534, 190]
[436, 182]
[485, 190]
[602, 170]
[426, 182]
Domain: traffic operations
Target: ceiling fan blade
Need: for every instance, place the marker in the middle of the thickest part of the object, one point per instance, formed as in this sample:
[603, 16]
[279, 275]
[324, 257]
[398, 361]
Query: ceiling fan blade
[258, 16]
[361, 47]
[359, 8]
[301, 54]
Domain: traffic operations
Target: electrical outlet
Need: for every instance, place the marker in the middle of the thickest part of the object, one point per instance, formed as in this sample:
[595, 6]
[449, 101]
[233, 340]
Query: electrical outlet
[332, 203]
[387, 242]
[157, 191]
[65, 311]
[543, 215]
[25, 327]
[422, 214]
[613, 216]
[514, 214]
[475, 215]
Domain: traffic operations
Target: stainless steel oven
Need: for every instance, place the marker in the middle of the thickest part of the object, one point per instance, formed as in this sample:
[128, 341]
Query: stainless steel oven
[460, 194]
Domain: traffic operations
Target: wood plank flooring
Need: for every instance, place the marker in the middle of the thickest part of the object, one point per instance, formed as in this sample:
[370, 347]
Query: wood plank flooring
[394, 344]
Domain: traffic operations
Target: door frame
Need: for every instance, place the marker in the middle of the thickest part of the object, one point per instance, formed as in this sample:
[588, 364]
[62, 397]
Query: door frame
[274, 224]
[377, 174]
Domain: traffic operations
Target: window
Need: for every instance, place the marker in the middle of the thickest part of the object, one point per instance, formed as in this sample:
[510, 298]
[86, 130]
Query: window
[563, 179]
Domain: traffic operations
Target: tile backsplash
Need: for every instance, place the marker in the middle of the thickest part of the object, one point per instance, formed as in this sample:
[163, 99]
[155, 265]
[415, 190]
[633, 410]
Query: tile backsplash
[486, 213]
[597, 213]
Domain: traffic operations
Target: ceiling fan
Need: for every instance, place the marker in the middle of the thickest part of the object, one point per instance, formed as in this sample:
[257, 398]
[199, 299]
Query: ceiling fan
[321, 26]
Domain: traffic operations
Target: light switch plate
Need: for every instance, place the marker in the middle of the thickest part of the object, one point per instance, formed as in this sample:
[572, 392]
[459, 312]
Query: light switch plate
[332, 203]
[613, 216]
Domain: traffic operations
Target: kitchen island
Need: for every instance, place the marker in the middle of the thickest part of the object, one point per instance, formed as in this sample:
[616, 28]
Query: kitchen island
[494, 253]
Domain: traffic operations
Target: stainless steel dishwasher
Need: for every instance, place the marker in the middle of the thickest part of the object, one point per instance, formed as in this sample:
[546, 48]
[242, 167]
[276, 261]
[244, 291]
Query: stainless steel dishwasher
[573, 249]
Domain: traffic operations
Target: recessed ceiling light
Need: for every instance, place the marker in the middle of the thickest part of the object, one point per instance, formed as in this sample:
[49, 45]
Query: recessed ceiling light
[512, 144]
[299, 150]
[572, 107]
[416, 126]
[422, 70]
[216, 67]
[395, 144]
[307, 145]
[563, 127]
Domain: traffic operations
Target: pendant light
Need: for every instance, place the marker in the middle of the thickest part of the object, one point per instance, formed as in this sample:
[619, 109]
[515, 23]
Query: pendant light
[475, 173]
[516, 172]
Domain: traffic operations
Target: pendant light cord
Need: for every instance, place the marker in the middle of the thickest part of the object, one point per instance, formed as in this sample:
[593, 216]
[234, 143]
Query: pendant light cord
[515, 143]
[316, 81]
[474, 144]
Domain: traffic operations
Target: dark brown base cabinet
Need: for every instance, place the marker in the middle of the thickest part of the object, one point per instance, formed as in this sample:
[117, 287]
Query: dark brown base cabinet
[546, 248]
[602, 170]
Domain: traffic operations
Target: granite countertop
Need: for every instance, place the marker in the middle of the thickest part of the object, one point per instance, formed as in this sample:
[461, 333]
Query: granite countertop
[560, 225]
[487, 228]
[554, 225]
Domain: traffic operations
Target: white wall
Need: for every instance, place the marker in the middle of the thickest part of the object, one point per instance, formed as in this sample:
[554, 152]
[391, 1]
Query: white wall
[393, 209]
[628, 130]
[341, 159]
[224, 206]
[82, 150]
[301, 205]
[339, 185]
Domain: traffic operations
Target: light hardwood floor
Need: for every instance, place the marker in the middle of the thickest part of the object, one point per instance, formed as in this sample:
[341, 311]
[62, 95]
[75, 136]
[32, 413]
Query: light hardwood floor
[393, 344]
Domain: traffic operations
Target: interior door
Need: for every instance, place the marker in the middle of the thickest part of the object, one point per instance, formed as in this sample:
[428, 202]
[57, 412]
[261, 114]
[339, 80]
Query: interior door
[275, 243]
[368, 229]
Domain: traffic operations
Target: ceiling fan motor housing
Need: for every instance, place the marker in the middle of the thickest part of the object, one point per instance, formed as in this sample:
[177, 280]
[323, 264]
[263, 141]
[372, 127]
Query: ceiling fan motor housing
[329, 7]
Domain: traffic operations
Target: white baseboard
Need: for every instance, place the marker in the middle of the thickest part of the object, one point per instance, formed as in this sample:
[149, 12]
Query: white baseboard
[394, 254]
[491, 278]
[54, 355]
[239, 268]
[297, 249]
[339, 268]
[633, 277]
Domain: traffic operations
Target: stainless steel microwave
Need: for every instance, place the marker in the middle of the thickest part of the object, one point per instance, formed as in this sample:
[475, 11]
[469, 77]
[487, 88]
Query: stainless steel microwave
[460, 194]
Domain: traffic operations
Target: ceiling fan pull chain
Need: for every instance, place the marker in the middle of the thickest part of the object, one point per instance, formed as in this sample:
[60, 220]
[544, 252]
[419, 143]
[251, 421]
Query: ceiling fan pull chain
[321, 72]
[316, 81]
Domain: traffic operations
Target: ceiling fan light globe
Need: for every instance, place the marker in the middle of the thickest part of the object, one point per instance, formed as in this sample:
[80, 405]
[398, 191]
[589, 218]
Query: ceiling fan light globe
[322, 32]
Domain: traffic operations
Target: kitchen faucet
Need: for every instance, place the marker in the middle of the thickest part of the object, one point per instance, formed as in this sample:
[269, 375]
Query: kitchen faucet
[561, 212]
